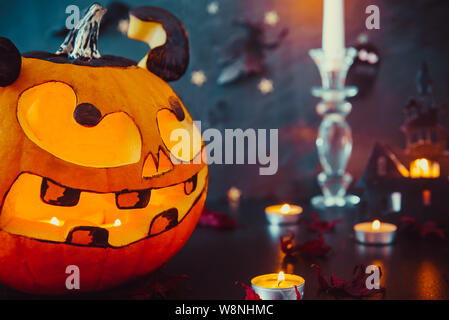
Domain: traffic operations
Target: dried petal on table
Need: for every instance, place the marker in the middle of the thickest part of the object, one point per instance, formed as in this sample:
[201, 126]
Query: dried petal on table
[322, 226]
[424, 229]
[356, 287]
[216, 219]
[250, 294]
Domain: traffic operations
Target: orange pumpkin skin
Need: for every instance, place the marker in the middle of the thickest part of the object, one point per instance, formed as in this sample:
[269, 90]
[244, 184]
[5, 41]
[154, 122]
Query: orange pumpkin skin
[39, 267]
[90, 173]
[132, 90]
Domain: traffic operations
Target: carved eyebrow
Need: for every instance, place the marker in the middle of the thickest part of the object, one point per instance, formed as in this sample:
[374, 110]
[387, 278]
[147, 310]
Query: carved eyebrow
[177, 108]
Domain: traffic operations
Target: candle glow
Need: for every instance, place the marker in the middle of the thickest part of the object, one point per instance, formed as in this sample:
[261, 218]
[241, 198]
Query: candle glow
[424, 168]
[117, 223]
[278, 286]
[281, 277]
[283, 213]
[375, 225]
[54, 221]
[285, 209]
[375, 232]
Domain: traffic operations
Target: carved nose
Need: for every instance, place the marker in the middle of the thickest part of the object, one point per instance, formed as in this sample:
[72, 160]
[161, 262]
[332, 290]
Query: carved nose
[156, 166]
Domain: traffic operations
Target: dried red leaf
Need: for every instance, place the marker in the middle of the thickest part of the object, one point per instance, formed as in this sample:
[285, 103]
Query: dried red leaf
[216, 219]
[288, 245]
[250, 294]
[158, 285]
[424, 229]
[298, 294]
[321, 226]
[324, 285]
[356, 287]
[316, 248]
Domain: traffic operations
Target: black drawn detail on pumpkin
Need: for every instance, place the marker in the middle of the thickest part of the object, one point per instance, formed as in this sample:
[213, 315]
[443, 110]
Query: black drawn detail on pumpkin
[190, 185]
[58, 195]
[167, 219]
[87, 115]
[89, 236]
[177, 108]
[134, 199]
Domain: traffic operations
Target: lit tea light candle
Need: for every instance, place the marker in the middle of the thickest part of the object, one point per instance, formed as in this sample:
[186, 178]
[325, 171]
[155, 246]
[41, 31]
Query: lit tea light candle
[283, 213]
[278, 286]
[375, 232]
[234, 194]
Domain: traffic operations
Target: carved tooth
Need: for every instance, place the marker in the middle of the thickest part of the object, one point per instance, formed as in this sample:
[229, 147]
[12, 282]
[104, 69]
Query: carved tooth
[164, 163]
[136, 199]
[88, 236]
[164, 221]
[58, 195]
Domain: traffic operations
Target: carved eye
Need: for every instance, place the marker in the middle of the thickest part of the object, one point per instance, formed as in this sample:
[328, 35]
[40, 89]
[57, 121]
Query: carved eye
[77, 133]
[87, 115]
[178, 132]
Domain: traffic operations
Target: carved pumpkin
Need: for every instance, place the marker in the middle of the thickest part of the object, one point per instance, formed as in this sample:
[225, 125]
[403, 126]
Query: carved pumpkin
[88, 176]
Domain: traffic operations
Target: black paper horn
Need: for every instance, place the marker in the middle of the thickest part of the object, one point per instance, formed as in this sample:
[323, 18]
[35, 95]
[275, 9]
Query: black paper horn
[10, 62]
[169, 54]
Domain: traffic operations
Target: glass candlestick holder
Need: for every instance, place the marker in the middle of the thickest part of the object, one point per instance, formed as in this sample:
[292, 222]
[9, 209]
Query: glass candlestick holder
[334, 141]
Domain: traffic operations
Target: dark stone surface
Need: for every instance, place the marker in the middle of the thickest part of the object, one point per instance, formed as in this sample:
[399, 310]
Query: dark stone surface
[413, 268]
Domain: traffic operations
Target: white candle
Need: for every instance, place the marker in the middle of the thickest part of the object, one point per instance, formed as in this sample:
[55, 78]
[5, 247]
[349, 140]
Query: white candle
[333, 28]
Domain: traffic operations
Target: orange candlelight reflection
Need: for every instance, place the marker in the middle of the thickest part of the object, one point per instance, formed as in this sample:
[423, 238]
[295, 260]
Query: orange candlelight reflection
[427, 197]
[424, 168]
[55, 221]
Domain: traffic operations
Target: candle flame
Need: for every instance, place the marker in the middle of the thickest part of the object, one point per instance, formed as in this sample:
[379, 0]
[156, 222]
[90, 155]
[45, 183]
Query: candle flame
[271, 18]
[117, 223]
[54, 221]
[375, 225]
[281, 277]
[234, 194]
[285, 208]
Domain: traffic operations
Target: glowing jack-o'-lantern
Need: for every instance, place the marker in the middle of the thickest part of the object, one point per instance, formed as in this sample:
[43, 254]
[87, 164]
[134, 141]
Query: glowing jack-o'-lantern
[87, 173]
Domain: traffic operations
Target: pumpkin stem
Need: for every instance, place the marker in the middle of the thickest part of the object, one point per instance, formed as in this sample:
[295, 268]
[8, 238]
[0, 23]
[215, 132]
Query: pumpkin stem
[81, 42]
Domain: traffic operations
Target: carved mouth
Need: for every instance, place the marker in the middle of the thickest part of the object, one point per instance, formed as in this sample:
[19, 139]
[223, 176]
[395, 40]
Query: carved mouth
[40, 208]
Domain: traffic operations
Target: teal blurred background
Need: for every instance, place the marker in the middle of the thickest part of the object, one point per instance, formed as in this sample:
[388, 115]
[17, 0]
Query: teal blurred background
[411, 31]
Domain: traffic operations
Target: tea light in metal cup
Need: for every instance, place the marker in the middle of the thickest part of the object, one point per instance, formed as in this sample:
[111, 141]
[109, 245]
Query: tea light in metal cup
[375, 232]
[283, 214]
[278, 286]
